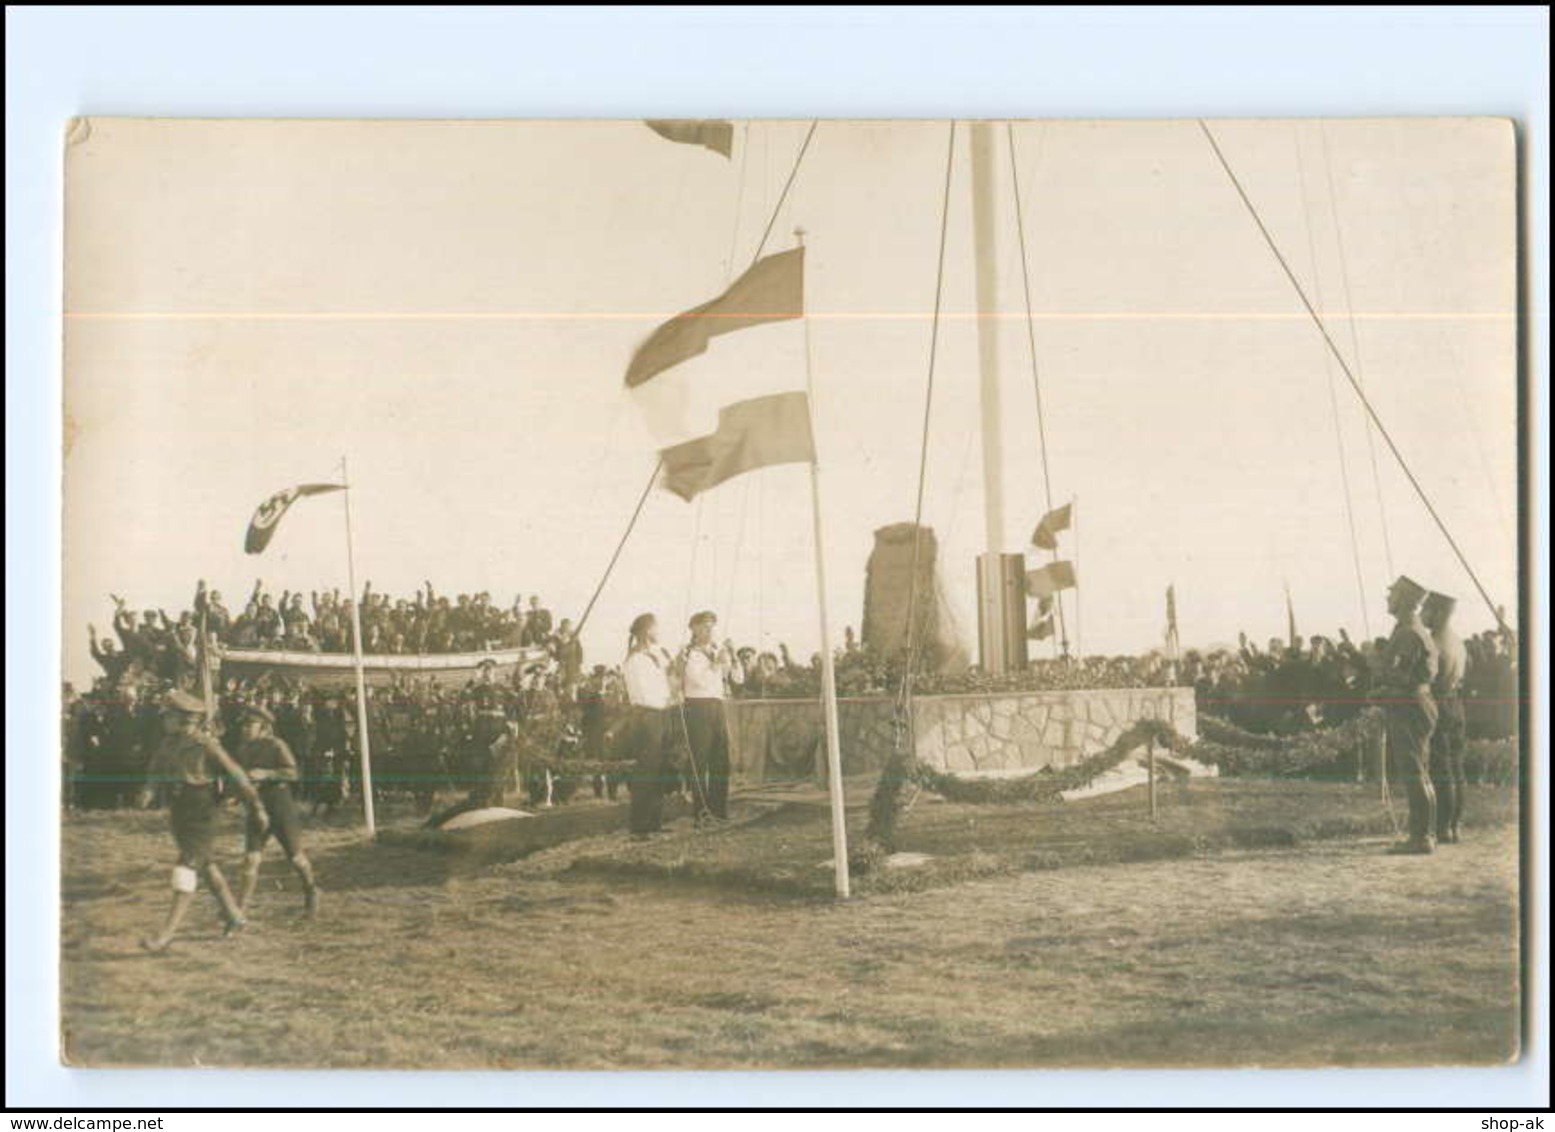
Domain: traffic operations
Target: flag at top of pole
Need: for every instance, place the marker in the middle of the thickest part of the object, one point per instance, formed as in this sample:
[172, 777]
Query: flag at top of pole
[718, 413]
[261, 528]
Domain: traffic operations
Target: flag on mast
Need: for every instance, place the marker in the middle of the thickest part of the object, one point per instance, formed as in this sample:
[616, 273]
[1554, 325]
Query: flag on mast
[1058, 519]
[261, 527]
[715, 416]
[1172, 645]
[1049, 579]
[1290, 619]
[709, 133]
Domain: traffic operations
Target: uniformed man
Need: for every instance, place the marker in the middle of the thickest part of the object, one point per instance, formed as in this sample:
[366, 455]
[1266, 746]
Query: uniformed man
[1407, 668]
[187, 762]
[1447, 740]
[271, 766]
[706, 670]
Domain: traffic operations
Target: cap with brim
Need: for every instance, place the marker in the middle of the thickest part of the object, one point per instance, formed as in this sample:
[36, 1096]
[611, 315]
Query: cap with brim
[258, 711]
[1440, 602]
[1409, 589]
[706, 617]
[180, 701]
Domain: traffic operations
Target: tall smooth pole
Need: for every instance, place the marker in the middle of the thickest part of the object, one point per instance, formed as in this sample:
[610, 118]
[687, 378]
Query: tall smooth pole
[364, 746]
[984, 225]
[839, 822]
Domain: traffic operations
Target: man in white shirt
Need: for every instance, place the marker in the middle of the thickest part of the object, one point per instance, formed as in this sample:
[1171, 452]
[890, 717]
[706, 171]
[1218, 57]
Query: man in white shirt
[706, 671]
[646, 674]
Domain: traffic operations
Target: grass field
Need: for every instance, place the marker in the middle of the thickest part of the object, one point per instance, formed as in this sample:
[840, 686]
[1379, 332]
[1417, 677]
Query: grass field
[1193, 944]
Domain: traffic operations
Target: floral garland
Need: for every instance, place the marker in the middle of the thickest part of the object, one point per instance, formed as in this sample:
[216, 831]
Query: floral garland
[1048, 785]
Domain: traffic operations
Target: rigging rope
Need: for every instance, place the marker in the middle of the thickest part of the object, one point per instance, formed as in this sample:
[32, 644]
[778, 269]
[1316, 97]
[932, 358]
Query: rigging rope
[1355, 347]
[1031, 341]
[1350, 376]
[928, 405]
[1333, 393]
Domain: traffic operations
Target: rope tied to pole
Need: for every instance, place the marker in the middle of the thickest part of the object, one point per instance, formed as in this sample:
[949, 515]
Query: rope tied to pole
[1355, 385]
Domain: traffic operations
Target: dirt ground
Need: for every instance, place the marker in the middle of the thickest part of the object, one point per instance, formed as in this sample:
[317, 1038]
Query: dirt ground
[1327, 953]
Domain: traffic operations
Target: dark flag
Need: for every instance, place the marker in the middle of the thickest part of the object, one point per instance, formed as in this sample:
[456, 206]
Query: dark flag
[268, 516]
[710, 133]
[771, 291]
[1290, 620]
[1172, 646]
[1047, 530]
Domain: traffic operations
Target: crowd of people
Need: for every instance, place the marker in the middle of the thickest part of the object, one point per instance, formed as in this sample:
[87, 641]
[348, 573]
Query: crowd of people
[426, 737]
[321, 621]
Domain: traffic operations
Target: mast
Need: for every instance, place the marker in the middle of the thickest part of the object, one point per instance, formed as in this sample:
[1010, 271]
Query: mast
[1001, 607]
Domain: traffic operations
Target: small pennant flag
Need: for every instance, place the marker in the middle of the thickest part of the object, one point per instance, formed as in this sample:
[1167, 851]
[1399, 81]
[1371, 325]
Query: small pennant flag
[709, 133]
[1051, 578]
[1047, 530]
[268, 516]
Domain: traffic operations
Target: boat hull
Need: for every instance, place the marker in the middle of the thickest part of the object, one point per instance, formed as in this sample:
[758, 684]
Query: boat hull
[338, 670]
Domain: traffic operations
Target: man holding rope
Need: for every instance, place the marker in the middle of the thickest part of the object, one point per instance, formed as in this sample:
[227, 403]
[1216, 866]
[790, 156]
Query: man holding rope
[706, 670]
[646, 672]
[1408, 668]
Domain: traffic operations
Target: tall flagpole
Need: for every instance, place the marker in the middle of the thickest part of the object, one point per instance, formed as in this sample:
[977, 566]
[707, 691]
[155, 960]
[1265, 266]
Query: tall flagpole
[363, 745]
[839, 825]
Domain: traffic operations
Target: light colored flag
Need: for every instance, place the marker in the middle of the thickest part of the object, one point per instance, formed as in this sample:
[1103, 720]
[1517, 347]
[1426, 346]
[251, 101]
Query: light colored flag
[710, 133]
[1049, 579]
[1172, 646]
[1290, 620]
[261, 527]
[714, 414]
[1058, 519]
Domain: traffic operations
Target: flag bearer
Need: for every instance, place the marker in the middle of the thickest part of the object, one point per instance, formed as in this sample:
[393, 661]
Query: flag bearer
[1407, 669]
[187, 762]
[271, 766]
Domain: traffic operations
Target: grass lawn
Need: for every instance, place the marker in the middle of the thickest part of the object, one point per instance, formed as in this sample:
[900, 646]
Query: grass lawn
[1205, 946]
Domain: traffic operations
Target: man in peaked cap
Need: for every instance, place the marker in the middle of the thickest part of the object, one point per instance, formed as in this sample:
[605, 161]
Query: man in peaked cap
[187, 762]
[1406, 669]
[271, 766]
[1447, 740]
[706, 670]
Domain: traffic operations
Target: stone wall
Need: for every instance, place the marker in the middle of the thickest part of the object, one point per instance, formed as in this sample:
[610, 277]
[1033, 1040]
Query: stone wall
[783, 740]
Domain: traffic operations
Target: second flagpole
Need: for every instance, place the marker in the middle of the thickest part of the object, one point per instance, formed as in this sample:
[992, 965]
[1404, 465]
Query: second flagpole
[363, 743]
[839, 824]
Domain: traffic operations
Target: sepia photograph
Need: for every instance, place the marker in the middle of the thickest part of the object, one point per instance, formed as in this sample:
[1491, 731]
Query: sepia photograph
[803, 594]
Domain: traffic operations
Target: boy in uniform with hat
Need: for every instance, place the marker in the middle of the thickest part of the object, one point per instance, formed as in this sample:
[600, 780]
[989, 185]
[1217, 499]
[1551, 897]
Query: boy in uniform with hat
[1447, 775]
[1407, 668]
[187, 762]
[271, 766]
[705, 670]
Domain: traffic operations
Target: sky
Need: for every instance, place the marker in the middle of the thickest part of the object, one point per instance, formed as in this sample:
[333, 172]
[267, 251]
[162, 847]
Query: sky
[451, 307]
